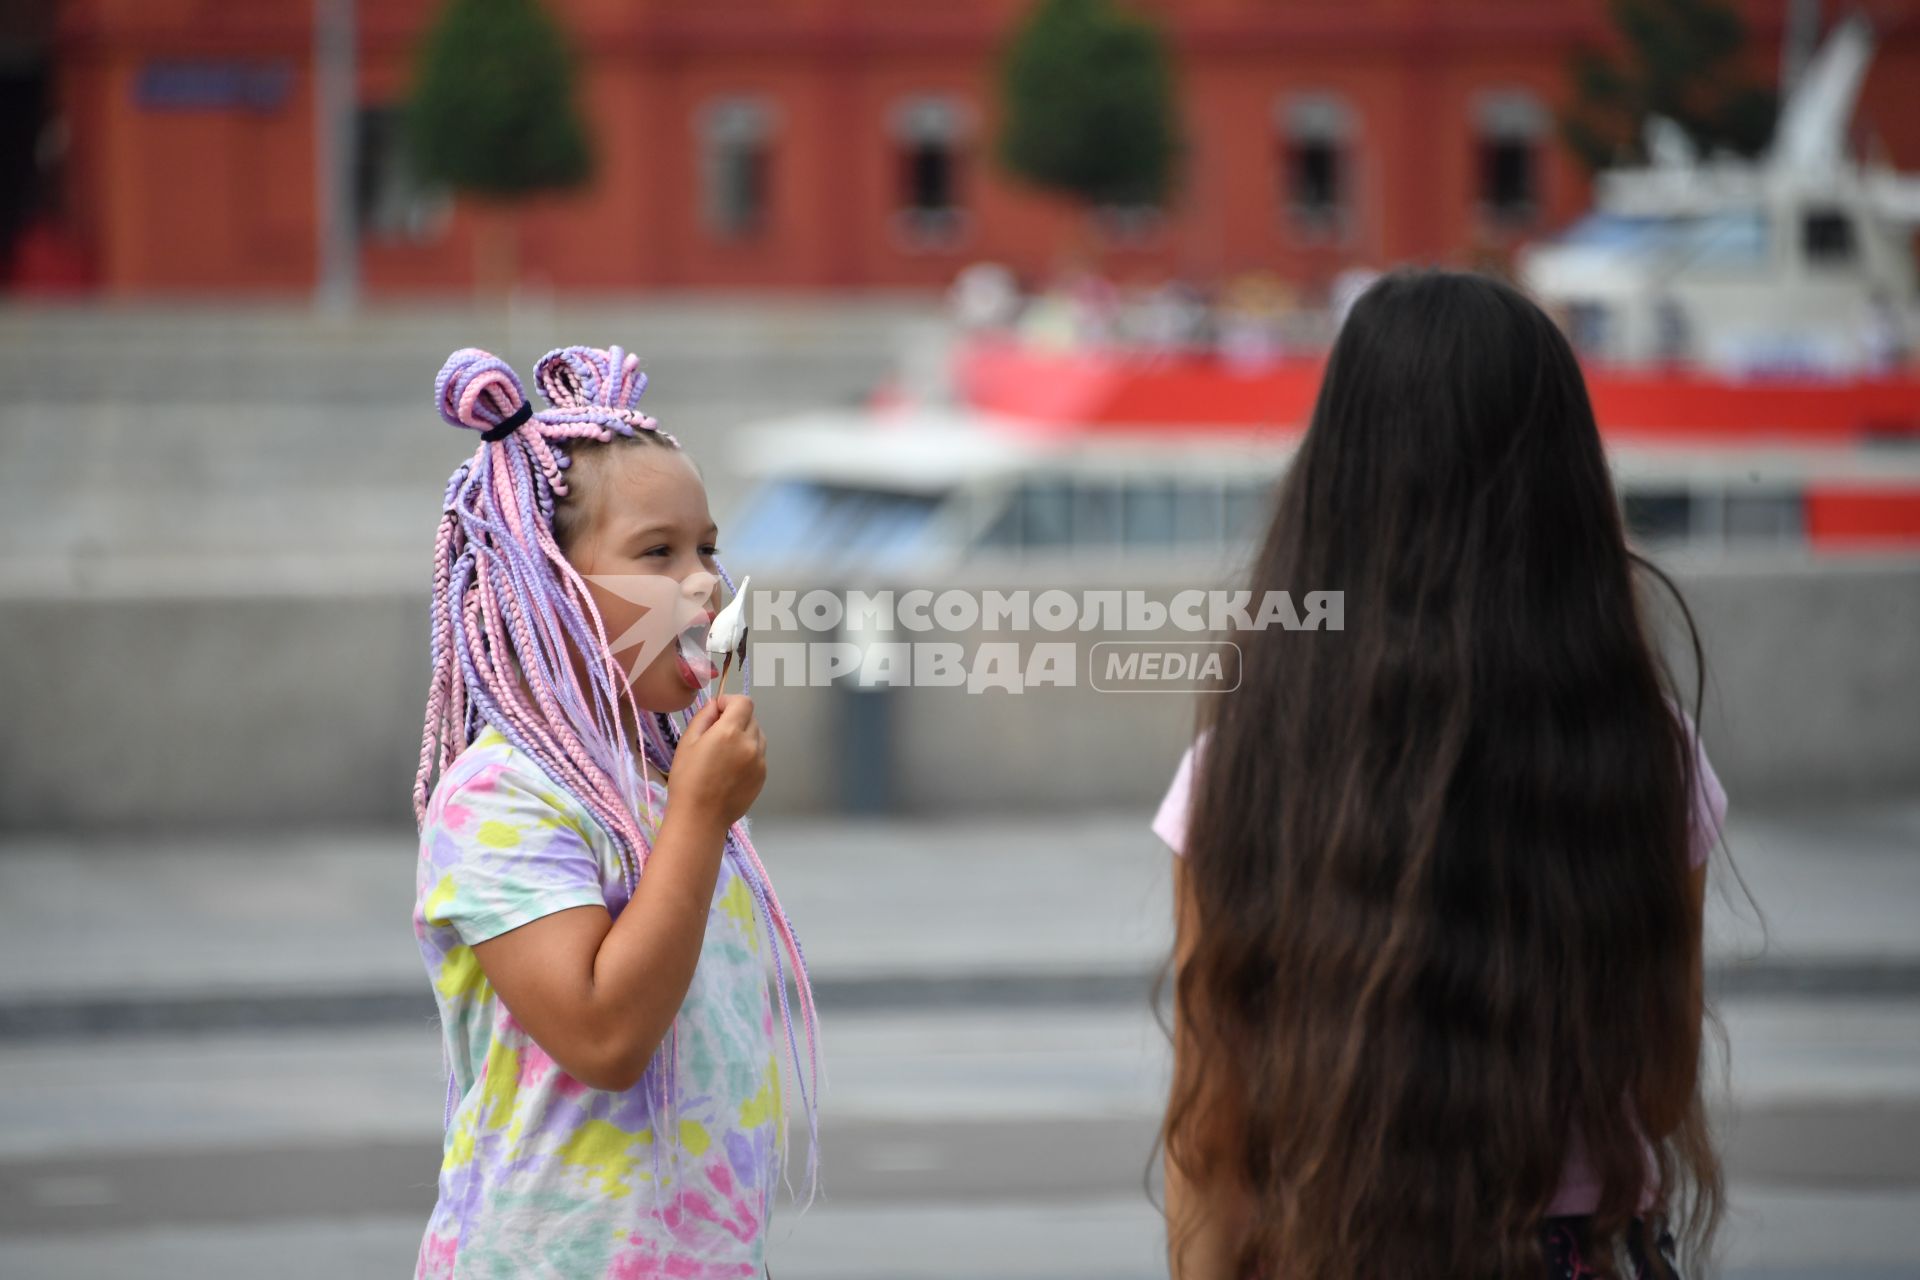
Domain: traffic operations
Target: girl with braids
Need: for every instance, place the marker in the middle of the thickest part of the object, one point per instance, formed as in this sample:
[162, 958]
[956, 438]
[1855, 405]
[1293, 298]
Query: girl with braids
[592, 914]
[1437, 977]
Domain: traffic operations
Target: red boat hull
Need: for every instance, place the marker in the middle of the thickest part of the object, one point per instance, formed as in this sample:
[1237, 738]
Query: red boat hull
[1097, 392]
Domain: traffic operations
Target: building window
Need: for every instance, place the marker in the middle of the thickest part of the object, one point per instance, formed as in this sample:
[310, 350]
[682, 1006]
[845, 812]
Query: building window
[929, 134]
[1131, 226]
[1512, 129]
[389, 200]
[1314, 179]
[1316, 133]
[928, 172]
[736, 143]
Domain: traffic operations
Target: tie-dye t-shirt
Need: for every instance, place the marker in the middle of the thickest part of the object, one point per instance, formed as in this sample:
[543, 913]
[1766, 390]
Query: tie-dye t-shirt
[541, 1175]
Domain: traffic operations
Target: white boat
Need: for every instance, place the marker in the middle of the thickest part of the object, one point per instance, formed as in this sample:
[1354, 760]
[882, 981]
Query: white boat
[1800, 263]
[930, 489]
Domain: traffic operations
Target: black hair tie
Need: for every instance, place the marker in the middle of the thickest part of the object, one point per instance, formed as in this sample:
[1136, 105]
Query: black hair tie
[510, 423]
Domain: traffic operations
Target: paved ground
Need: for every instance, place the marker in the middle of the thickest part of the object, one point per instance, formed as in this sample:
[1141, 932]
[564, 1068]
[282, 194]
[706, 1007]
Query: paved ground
[976, 1143]
[211, 1049]
[1066, 899]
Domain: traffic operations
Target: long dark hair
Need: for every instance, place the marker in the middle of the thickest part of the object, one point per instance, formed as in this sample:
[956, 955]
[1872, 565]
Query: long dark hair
[1438, 859]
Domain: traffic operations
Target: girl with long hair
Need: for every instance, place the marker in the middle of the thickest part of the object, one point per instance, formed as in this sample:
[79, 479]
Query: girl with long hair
[1437, 978]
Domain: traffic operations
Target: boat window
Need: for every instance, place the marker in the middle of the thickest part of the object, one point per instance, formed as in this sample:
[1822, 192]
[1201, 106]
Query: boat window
[1729, 239]
[1658, 515]
[1004, 531]
[1196, 515]
[1047, 513]
[1096, 514]
[832, 521]
[1765, 517]
[1587, 327]
[1140, 514]
[1246, 511]
[1735, 239]
[1827, 238]
[1612, 231]
[1053, 513]
[1147, 514]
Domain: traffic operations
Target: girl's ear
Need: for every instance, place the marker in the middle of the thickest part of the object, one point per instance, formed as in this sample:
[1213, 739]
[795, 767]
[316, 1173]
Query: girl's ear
[477, 390]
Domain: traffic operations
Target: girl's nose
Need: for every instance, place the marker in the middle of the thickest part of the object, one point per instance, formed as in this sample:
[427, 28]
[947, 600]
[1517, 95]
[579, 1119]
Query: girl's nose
[700, 588]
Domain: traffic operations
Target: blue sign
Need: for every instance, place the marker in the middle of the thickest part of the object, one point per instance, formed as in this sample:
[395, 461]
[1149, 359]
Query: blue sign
[213, 86]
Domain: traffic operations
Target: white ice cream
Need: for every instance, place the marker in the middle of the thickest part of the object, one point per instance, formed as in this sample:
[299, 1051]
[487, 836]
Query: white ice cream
[729, 626]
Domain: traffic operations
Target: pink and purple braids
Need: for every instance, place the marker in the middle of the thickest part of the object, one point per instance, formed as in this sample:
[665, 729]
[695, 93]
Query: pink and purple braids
[506, 601]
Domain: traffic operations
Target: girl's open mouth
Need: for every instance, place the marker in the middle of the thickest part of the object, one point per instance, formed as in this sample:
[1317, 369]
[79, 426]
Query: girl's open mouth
[690, 654]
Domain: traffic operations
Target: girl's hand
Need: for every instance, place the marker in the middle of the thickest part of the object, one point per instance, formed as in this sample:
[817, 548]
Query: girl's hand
[721, 762]
[598, 994]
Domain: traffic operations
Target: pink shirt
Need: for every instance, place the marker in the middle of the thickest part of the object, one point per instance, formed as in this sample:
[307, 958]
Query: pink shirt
[1579, 1191]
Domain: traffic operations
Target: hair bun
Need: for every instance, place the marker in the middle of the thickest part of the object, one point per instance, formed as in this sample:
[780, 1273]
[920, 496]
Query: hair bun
[591, 378]
[477, 390]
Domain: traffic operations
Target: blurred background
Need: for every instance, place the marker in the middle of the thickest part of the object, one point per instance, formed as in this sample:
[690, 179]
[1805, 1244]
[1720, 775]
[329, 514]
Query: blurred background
[1009, 295]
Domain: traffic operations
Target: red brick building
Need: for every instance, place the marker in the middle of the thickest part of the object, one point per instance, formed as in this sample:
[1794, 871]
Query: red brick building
[846, 143]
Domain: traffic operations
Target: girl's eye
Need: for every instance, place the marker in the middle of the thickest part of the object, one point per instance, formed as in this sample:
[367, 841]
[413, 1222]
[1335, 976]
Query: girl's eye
[709, 551]
[658, 551]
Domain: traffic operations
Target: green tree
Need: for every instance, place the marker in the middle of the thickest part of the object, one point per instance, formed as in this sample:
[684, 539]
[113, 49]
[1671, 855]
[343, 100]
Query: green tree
[1089, 108]
[1682, 59]
[492, 114]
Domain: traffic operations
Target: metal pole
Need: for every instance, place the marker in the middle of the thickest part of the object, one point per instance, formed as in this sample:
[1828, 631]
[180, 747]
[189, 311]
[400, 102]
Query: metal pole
[335, 136]
[1798, 39]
